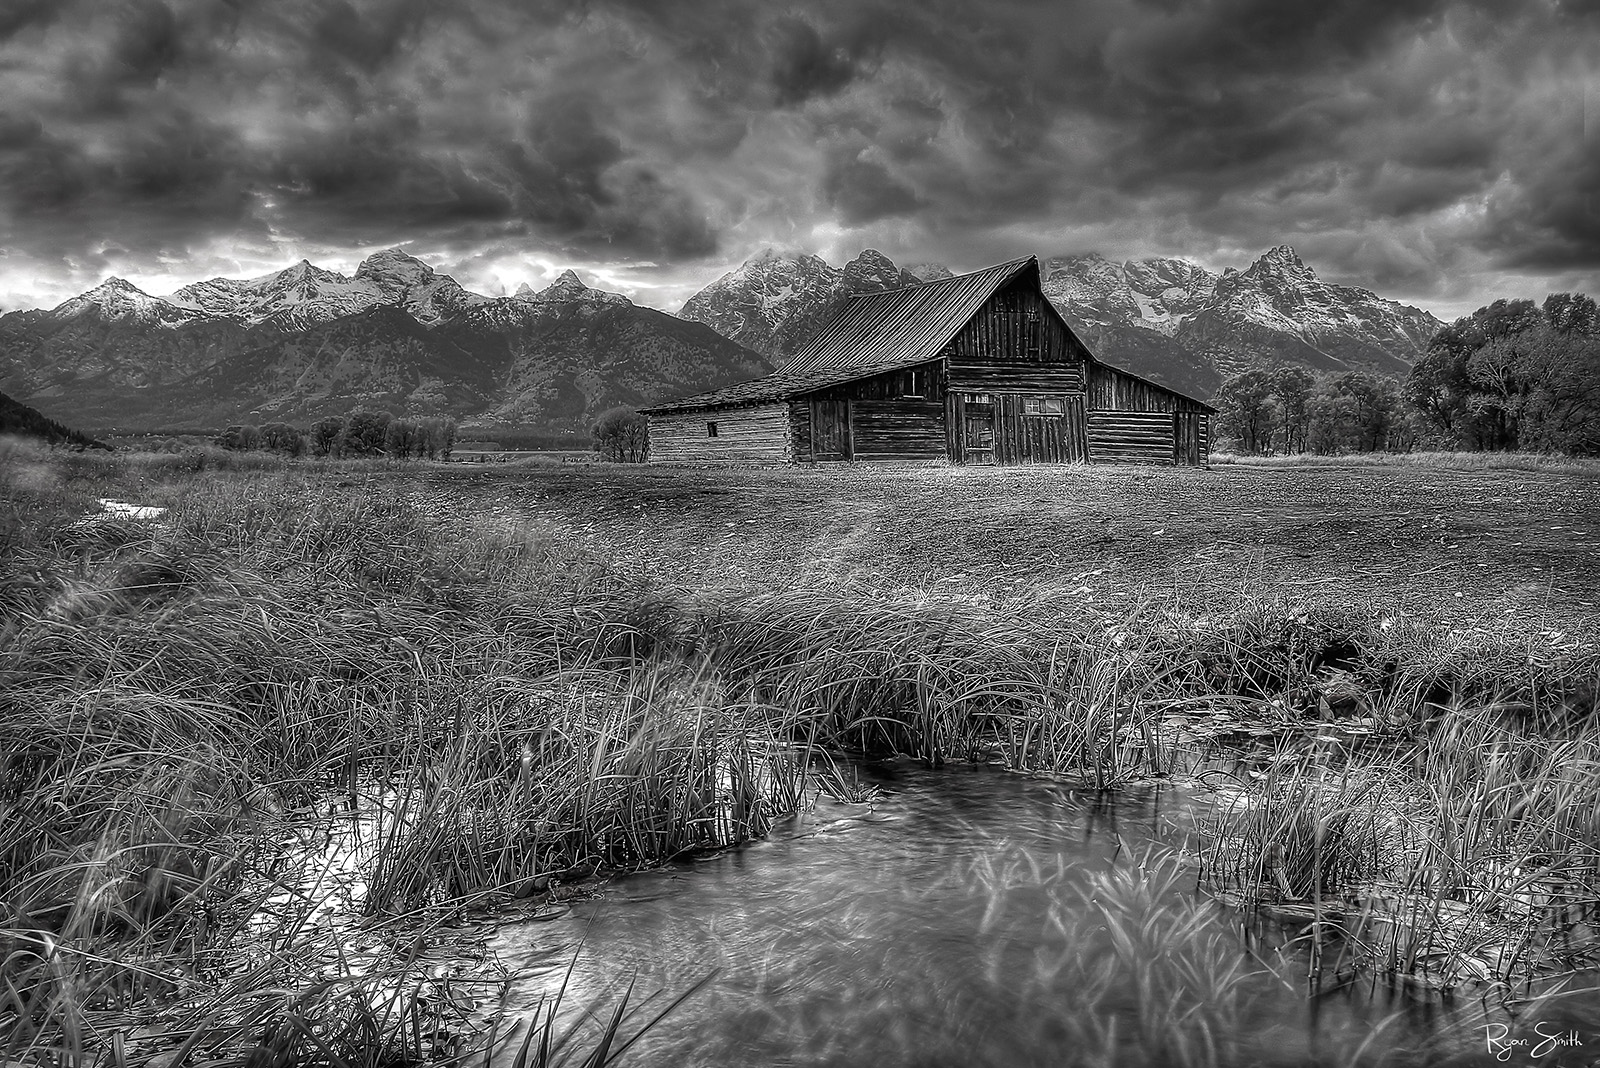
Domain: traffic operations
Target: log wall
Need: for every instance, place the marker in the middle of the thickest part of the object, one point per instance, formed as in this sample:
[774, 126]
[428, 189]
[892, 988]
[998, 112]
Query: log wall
[885, 423]
[759, 434]
[1130, 437]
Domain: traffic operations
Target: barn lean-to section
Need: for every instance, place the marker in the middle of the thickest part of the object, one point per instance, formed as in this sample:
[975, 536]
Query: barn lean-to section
[976, 369]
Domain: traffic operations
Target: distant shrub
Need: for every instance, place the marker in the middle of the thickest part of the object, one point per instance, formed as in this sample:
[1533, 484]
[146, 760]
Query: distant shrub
[365, 433]
[622, 435]
[281, 437]
[324, 436]
[240, 437]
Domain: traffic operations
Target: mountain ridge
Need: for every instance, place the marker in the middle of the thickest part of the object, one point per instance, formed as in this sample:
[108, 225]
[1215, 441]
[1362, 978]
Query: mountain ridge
[305, 342]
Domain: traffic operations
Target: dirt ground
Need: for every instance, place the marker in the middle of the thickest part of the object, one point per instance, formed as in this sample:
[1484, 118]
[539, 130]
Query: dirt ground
[1519, 546]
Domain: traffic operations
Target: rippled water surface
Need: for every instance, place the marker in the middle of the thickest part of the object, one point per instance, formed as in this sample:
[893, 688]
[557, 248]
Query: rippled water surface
[968, 917]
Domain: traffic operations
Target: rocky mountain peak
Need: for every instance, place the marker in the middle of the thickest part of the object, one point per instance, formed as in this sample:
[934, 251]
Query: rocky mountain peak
[118, 300]
[394, 266]
[929, 272]
[872, 271]
[776, 299]
[525, 292]
[569, 287]
[1214, 325]
[1282, 261]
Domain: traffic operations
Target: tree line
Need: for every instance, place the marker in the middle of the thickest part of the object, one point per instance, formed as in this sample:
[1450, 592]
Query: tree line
[1289, 409]
[361, 433]
[1513, 375]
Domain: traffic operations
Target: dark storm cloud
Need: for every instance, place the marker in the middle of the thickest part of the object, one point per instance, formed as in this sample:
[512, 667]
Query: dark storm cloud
[17, 14]
[804, 65]
[863, 190]
[1406, 140]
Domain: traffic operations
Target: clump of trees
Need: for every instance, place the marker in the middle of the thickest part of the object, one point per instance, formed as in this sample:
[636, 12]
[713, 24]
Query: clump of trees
[622, 435]
[1515, 375]
[361, 433]
[1289, 409]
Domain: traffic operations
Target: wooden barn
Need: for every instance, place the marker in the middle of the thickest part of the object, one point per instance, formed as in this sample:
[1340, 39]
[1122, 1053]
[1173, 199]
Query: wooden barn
[976, 369]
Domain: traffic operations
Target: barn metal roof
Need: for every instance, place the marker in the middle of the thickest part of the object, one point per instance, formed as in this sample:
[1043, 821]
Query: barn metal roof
[906, 326]
[875, 332]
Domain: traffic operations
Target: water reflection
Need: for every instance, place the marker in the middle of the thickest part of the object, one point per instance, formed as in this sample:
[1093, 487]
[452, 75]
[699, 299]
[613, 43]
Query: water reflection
[969, 917]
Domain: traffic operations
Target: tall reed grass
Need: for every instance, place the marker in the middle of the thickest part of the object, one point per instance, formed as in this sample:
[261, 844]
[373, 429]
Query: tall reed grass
[486, 708]
[1468, 852]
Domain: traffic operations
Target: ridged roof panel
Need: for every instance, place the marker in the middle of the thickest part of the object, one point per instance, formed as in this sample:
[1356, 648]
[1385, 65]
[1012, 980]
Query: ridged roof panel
[900, 327]
[875, 332]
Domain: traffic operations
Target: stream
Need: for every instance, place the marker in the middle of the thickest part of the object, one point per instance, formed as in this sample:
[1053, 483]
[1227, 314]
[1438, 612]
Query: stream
[973, 917]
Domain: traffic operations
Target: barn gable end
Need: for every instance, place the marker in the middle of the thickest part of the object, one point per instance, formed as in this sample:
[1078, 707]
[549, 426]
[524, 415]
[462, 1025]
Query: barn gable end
[975, 369]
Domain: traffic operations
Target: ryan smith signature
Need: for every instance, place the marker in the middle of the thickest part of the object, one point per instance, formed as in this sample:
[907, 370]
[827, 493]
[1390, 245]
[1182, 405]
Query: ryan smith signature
[1502, 1045]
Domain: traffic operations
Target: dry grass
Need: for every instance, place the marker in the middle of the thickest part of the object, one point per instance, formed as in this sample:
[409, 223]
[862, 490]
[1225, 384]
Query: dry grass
[1453, 461]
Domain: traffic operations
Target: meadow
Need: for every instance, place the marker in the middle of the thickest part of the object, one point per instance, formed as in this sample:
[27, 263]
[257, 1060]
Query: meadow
[265, 752]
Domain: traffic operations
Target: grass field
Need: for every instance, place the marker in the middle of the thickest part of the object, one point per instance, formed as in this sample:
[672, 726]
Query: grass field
[489, 682]
[1471, 544]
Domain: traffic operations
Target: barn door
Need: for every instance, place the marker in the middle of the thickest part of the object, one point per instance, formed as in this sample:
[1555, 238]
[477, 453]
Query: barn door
[830, 430]
[1049, 430]
[1075, 433]
[978, 431]
[1186, 439]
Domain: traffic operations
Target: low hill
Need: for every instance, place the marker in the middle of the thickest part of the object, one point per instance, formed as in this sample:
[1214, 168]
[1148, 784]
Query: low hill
[19, 419]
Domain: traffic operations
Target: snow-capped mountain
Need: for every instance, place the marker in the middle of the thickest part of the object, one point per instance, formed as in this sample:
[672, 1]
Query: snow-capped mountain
[303, 295]
[569, 287]
[1156, 294]
[1213, 326]
[776, 300]
[305, 342]
[1260, 313]
[118, 301]
[929, 272]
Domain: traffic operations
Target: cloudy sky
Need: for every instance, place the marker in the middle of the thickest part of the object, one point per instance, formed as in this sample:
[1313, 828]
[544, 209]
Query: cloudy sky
[1443, 153]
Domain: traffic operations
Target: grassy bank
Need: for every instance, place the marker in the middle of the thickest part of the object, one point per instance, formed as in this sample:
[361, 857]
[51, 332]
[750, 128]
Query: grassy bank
[306, 701]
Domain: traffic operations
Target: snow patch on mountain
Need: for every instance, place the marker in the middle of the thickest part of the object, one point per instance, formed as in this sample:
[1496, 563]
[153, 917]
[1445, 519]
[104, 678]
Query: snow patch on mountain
[929, 272]
[569, 287]
[117, 300]
[304, 295]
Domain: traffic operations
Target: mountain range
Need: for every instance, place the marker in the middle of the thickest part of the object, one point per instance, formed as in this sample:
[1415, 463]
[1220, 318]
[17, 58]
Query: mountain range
[304, 342]
[1166, 319]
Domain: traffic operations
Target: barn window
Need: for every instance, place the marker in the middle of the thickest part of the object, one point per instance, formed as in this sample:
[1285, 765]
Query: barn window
[711, 430]
[914, 383]
[1044, 406]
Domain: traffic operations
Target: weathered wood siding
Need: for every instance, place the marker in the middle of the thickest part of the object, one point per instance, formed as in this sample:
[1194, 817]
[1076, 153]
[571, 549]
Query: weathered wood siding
[1001, 430]
[1192, 445]
[883, 422]
[800, 429]
[1130, 437]
[1114, 390]
[1016, 344]
[760, 434]
[1134, 421]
